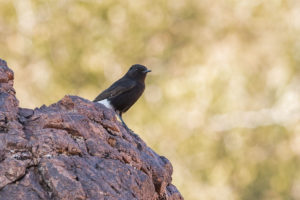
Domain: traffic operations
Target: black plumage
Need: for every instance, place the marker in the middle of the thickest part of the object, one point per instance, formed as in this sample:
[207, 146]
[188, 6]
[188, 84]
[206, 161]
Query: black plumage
[122, 94]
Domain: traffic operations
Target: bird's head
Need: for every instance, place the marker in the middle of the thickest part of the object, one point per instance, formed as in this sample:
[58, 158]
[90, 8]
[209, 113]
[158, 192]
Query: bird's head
[137, 72]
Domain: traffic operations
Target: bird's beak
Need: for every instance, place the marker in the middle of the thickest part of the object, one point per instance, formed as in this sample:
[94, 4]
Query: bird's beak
[146, 71]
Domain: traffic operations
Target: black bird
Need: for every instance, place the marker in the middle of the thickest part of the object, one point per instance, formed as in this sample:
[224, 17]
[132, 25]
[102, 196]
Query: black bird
[123, 93]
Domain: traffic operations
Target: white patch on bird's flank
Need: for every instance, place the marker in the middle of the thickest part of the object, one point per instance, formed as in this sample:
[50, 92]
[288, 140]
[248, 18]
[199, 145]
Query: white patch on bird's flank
[106, 103]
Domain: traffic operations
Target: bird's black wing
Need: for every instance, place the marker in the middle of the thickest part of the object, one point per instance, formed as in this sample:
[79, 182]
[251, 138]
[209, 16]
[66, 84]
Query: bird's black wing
[119, 87]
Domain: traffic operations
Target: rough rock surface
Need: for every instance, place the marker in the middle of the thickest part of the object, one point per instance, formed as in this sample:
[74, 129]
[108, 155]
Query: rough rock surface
[74, 149]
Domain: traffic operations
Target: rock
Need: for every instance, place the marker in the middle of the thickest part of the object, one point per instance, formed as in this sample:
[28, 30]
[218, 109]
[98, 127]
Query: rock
[74, 149]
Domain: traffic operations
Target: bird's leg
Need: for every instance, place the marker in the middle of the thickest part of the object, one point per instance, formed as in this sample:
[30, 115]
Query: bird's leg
[120, 117]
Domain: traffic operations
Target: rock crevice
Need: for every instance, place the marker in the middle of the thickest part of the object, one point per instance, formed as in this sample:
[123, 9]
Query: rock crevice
[74, 149]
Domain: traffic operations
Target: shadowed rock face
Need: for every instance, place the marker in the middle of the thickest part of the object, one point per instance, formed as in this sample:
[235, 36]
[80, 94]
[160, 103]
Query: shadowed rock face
[74, 149]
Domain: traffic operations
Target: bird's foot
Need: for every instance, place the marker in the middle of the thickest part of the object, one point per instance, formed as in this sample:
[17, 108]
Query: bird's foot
[126, 127]
[123, 123]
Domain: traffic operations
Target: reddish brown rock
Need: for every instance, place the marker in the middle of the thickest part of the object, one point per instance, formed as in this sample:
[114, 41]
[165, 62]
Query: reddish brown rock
[74, 149]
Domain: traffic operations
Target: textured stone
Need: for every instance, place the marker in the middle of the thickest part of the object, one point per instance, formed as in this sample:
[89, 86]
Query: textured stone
[74, 149]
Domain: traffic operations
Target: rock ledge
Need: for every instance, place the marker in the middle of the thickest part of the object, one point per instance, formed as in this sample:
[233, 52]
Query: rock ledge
[74, 149]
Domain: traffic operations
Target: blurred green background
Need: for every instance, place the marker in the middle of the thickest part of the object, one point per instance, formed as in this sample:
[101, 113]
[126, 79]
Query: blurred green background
[222, 101]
